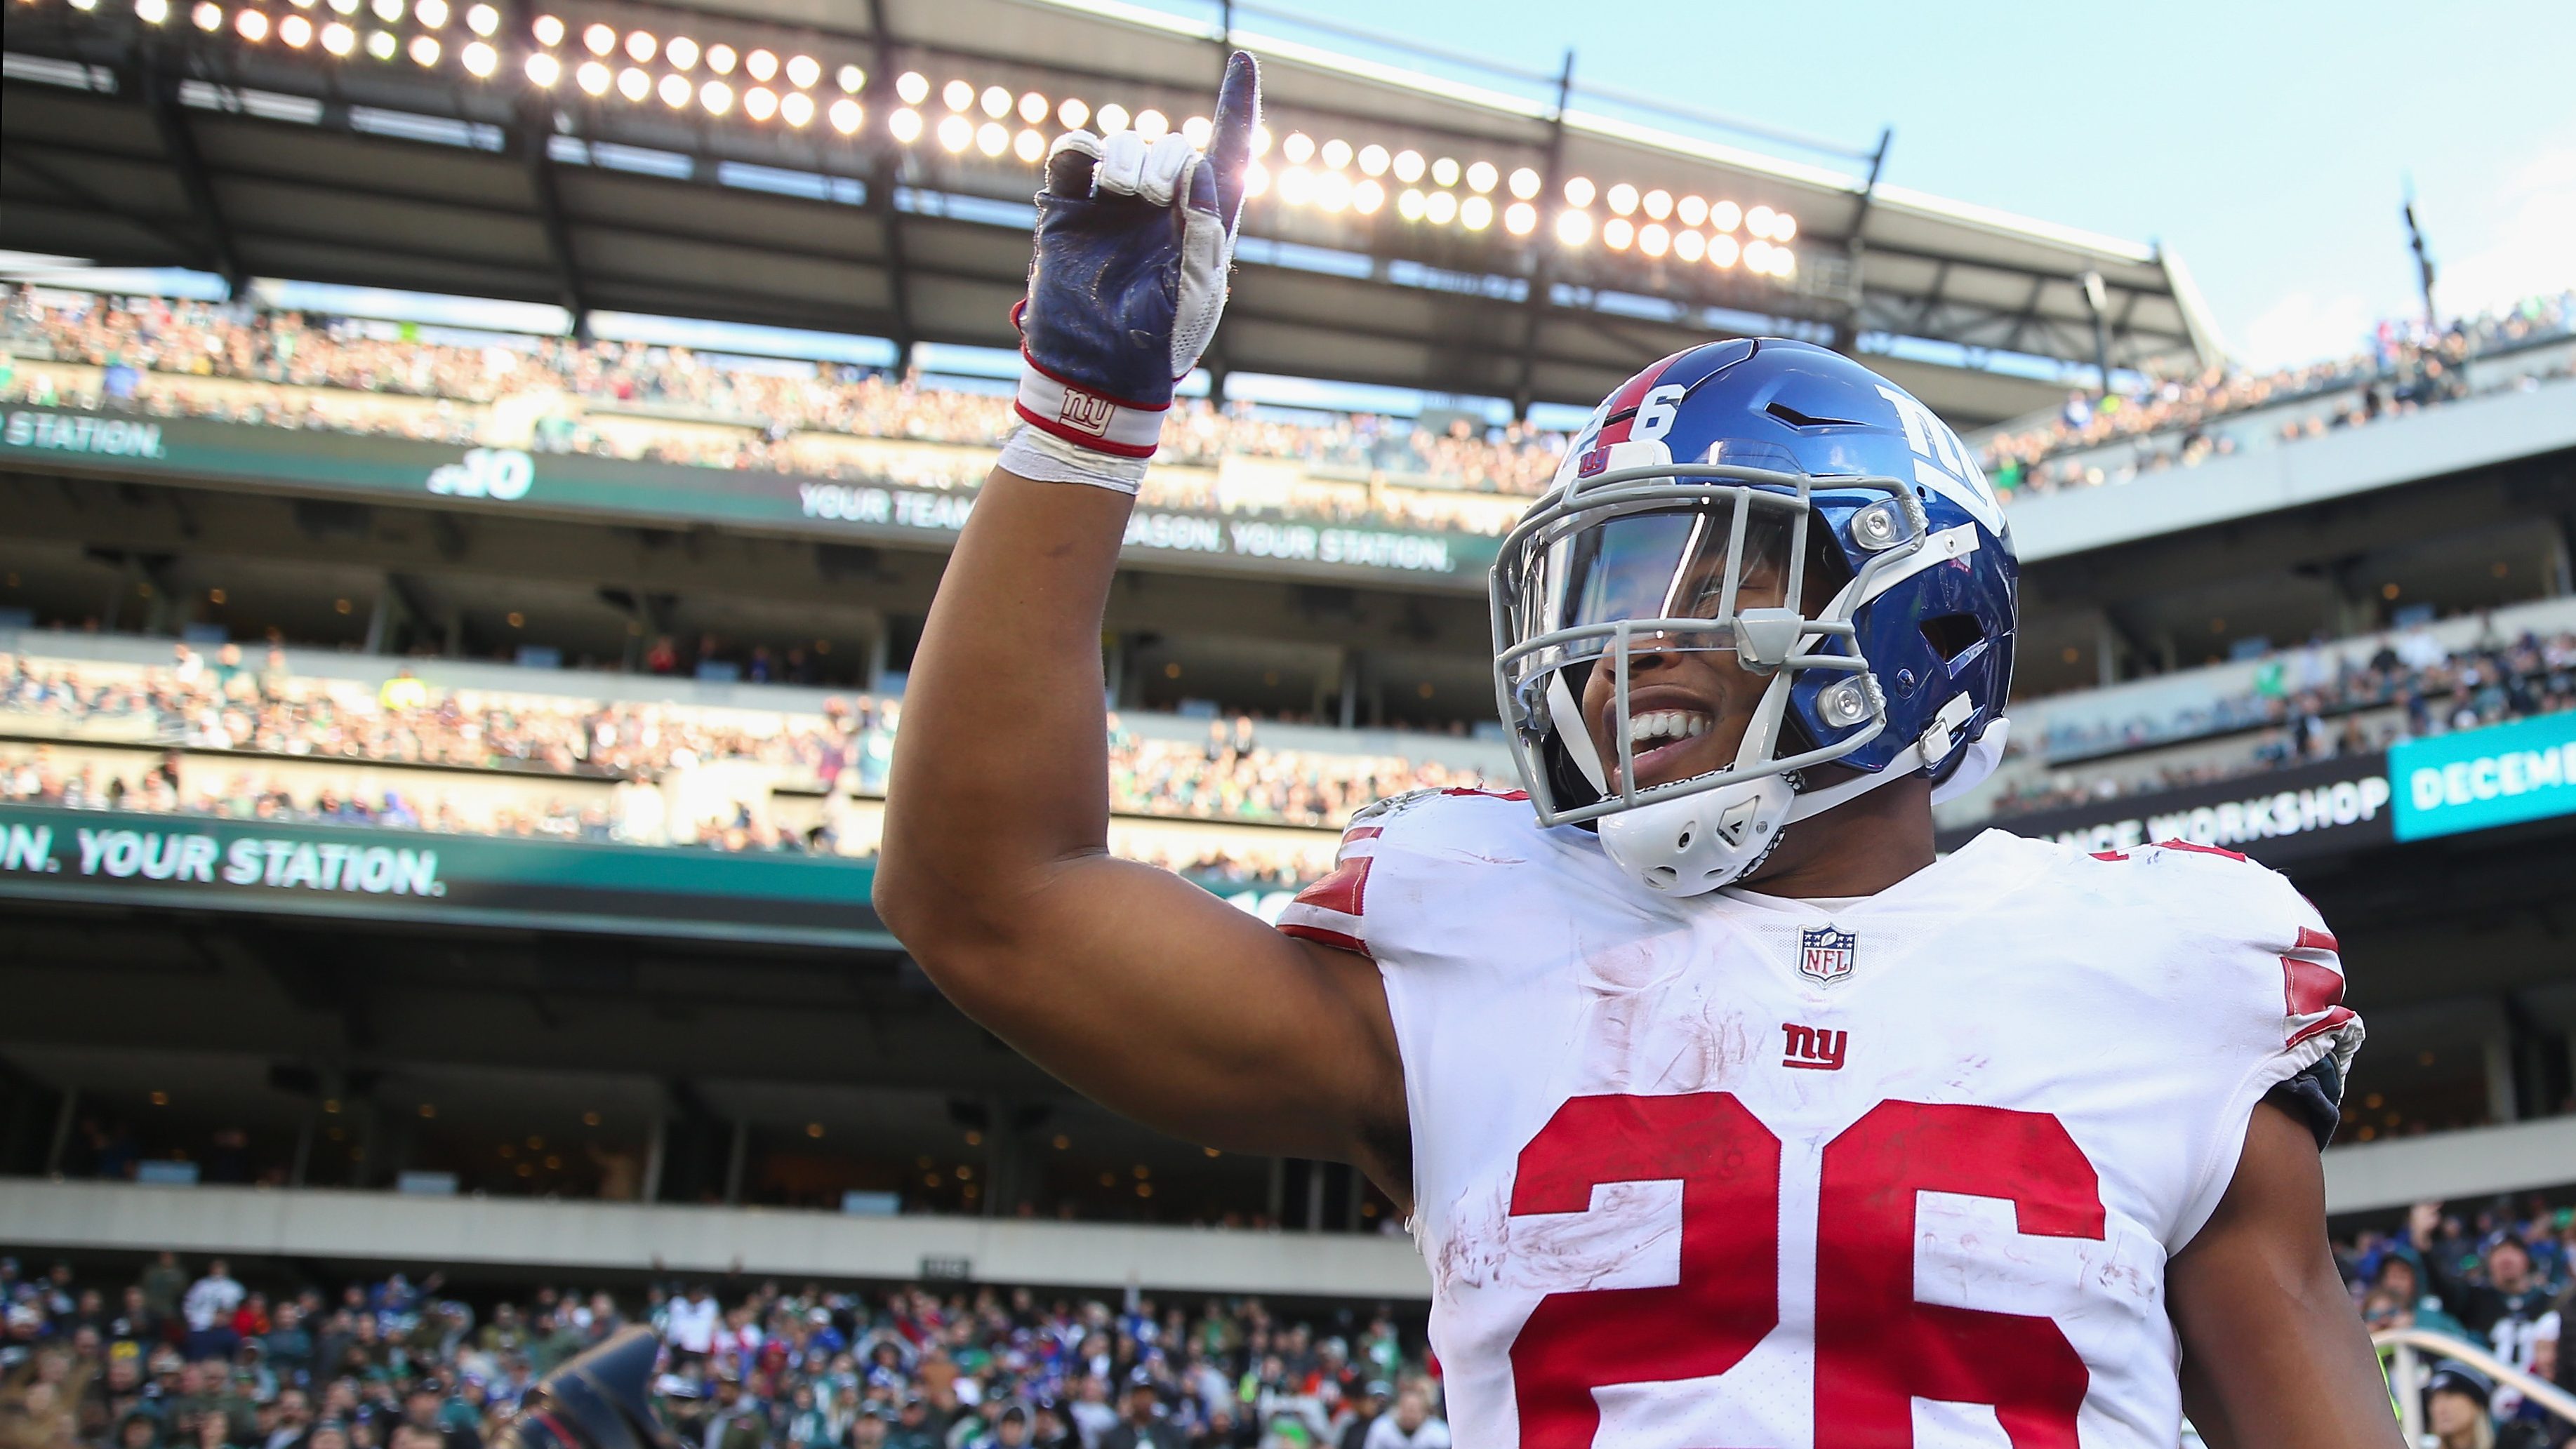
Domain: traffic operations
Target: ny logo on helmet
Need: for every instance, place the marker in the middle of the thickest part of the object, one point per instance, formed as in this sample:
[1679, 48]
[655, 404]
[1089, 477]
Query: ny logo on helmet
[1825, 954]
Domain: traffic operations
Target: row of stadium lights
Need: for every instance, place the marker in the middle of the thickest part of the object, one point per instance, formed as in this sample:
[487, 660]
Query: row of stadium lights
[599, 60]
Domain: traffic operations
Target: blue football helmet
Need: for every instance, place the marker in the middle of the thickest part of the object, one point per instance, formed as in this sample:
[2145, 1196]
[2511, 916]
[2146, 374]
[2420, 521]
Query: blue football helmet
[1780, 502]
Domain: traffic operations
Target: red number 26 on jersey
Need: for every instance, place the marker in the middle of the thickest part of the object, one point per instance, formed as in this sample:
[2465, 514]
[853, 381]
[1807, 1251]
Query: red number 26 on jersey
[1877, 1349]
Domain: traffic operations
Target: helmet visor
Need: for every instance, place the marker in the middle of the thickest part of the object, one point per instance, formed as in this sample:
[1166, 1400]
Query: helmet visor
[1676, 577]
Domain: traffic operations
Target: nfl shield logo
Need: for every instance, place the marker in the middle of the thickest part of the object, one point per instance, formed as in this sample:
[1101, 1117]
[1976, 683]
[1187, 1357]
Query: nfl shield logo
[1825, 954]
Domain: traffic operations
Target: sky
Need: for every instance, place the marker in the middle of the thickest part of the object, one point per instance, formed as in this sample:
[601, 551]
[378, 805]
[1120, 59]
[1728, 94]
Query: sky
[2267, 142]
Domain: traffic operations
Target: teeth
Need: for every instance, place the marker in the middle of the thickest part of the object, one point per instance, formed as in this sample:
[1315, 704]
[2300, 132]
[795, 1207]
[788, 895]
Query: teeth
[1665, 724]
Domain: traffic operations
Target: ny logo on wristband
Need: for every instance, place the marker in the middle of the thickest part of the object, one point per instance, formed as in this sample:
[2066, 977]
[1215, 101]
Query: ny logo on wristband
[1086, 412]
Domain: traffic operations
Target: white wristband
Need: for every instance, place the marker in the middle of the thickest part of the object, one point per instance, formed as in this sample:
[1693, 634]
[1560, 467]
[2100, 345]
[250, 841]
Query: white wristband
[1037, 454]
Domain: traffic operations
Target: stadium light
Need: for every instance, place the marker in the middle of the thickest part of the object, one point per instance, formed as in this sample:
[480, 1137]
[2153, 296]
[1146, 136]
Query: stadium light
[1440, 208]
[1616, 233]
[1578, 191]
[1298, 149]
[1757, 254]
[382, 45]
[1658, 204]
[797, 109]
[152, 12]
[1336, 154]
[804, 72]
[1368, 197]
[296, 31]
[1332, 192]
[1724, 216]
[1757, 222]
[641, 46]
[634, 84]
[722, 59]
[761, 65]
[1722, 251]
[1784, 263]
[432, 13]
[1444, 172]
[997, 102]
[674, 91]
[1574, 228]
[716, 97]
[905, 125]
[1152, 125]
[1622, 201]
[207, 16]
[1653, 239]
[339, 39]
[1033, 107]
[958, 96]
[344, 7]
[1690, 246]
[598, 39]
[388, 11]
[1520, 218]
[483, 20]
[956, 133]
[251, 25]
[424, 51]
[1029, 146]
[847, 115]
[682, 53]
[1693, 210]
[478, 57]
[1374, 160]
[593, 78]
[1525, 184]
[1196, 131]
[1296, 185]
[544, 70]
[548, 29]
[913, 87]
[1482, 177]
[1784, 227]
[1475, 213]
[1256, 179]
[993, 138]
[1408, 204]
[760, 103]
[1113, 117]
[1070, 113]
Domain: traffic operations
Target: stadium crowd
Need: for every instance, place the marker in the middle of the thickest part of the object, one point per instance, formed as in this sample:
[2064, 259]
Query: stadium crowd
[2405, 368]
[2313, 703]
[223, 708]
[177, 1355]
[675, 405]
[181, 1358]
[744, 413]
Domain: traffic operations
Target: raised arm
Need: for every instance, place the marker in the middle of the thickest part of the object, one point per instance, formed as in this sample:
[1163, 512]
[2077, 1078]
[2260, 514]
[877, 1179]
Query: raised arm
[2273, 1352]
[1137, 988]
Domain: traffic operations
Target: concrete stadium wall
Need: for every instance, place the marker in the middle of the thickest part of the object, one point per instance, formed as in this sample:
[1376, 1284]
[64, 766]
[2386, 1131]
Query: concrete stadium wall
[313, 1223]
[394, 1227]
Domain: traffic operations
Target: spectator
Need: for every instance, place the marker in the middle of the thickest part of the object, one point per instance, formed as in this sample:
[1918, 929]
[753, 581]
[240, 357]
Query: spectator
[1370, 1408]
[1411, 1426]
[209, 1309]
[1141, 1423]
[2455, 1404]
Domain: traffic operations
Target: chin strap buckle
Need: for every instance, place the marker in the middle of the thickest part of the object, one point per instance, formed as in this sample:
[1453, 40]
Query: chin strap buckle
[1943, 735]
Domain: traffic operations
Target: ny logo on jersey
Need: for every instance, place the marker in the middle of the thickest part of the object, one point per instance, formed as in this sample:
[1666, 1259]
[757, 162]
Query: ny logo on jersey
[1825, 954]
[1813, 1048]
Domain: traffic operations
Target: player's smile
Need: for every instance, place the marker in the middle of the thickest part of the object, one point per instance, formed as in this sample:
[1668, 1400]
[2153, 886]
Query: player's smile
[1679, 722]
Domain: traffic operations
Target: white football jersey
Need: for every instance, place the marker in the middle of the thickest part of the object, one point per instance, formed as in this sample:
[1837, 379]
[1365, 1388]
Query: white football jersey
[1744, 1171]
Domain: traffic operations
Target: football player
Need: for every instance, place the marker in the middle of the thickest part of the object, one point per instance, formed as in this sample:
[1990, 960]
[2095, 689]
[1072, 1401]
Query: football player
[1724, 1112]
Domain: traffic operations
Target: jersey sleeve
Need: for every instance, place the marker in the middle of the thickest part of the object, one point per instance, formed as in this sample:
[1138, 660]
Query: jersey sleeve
[2276, 1002]
[1333, 911]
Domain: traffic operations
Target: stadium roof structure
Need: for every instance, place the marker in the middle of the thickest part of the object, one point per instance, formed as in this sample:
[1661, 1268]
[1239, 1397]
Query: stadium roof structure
[864, 166]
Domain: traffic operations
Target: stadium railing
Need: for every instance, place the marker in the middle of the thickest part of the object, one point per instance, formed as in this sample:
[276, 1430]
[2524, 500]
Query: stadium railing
[2410, 1355]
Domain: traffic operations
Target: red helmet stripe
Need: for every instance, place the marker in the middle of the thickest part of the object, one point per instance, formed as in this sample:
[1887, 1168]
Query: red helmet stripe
[1623, 403]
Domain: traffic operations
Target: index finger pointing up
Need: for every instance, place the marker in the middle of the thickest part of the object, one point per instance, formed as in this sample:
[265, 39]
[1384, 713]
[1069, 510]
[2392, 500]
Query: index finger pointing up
[1238, 111]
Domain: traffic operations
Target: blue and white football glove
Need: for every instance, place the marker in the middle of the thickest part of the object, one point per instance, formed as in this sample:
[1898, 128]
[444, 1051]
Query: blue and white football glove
[1133, 241]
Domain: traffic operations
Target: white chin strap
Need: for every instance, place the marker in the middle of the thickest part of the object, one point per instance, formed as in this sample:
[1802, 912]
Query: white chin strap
[1691, 844]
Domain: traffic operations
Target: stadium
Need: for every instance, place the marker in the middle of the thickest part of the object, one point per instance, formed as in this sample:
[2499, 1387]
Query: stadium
[475, 476]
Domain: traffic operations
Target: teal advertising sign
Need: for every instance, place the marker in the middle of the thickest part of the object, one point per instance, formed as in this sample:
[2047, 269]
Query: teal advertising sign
[513, 480]
[2479, 779]
[198, 862]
